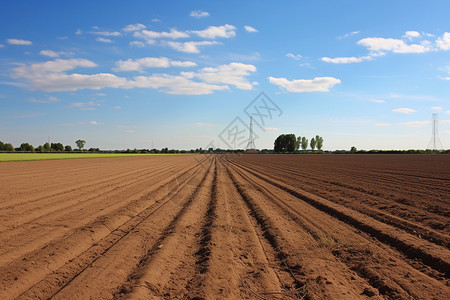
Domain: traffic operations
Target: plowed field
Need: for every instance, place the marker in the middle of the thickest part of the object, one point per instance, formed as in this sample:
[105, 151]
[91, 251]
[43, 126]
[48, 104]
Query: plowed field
[218, 226]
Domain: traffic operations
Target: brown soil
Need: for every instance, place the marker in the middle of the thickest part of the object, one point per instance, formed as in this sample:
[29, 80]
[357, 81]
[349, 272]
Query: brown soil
[226, 227]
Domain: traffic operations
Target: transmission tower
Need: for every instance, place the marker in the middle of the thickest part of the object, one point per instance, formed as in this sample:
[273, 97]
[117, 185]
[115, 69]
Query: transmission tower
[435, 142]
[251, 139]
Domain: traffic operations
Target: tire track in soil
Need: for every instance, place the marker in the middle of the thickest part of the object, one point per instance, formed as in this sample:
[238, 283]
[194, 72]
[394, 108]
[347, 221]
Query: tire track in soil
[71, 266]
[368, 262]
[427, 254]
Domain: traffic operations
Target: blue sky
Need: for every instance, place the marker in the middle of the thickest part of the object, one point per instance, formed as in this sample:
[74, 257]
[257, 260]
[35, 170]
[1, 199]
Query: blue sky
[180, 74]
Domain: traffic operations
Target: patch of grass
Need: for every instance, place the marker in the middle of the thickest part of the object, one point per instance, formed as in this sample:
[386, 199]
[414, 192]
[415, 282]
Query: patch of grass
[326, 241]
[51, 156]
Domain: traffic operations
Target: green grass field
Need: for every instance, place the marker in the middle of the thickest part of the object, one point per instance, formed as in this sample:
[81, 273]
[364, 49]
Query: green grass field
[49, 156]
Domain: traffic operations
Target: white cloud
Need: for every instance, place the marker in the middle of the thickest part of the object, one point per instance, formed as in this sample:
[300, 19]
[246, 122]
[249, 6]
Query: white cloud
[54, 54]
[404, 110]
[148, 34]
[448, 112]
[49, 76]
[48, 100]
[134, 27]
[272, 129]
[103, 40]
[443, 42]
[377, 101]
[383, 125]
[52, 76]
[294, 56]
[81, 124]
[18, 42]
[190, 47]
[445, 78]
[352, 59]
[78, 32]
[346, 60]
[318, 84]
[250, 29]
[55, 66]
[85, 105]
[106, 33]
[411, 34]
[2, 46]
[137, 44]
[348, 35]
[100, 94]
[416, 123]
[199, 14]
[178, 85]
[232, 74]
[212, 32]
[394, 45]
[117, 107]
[49, 53]
[437, 108]
[150, 62]
[156, 20]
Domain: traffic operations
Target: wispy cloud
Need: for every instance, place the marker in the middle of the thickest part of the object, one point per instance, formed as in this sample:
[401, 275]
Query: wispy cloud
[127, 128]
[443, 42]
[318, 84]
[134, 27]
[250, 29]
[383, 125]
[94, 123]
[199, 14]
[415, 123]
[231, 74]
[294, 56]
[190, 47]
[272, 129]
[149, 34]
[18, 42]
[91, 105]
[348, 35]
[404, 110]
[48, 100]
[213, 32]
[106, 33]
[377, 101]
[54, 54]
[150, 62]
[437, 108]
[103, 40]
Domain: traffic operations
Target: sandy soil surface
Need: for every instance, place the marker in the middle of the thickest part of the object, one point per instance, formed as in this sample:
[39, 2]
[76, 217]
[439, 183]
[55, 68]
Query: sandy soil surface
[226, 227]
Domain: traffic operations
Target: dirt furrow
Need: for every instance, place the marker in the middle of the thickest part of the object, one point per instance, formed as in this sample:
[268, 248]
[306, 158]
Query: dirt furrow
[380, 266]
[431, 255]
[64, 258]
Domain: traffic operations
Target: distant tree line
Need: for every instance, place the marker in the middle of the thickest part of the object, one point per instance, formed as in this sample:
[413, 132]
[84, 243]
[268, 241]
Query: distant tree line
[285, 143]
[288, 143]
